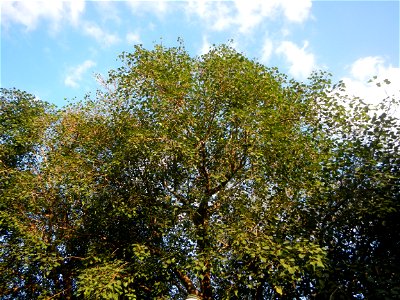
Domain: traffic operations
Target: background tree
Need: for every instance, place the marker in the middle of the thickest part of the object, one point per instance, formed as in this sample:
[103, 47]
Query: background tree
[24, 261]
[357, 217]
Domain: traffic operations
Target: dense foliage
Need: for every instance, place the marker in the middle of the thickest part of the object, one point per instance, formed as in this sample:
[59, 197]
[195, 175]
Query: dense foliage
[213, 176]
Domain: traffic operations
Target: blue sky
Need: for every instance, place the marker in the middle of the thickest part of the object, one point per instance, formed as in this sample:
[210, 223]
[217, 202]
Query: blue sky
[54, 48]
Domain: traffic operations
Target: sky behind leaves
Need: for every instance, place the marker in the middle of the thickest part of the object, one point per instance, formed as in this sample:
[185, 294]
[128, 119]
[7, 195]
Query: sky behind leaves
[53, 49]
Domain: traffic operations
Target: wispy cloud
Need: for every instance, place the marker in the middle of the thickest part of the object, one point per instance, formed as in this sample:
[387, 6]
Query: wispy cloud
[133, 38]
[76, 73]
[296, 10]
[159, 8]
[108, 11]
[30, 13]
[302, 62]
[214, 15]
[267, 50]
[365, 68]
[246, 15]
[104, 38]
[205, 46]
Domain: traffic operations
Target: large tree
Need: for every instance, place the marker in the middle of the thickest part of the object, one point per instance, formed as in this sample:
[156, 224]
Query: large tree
[357, 211]
[23, 123]
[214, 176]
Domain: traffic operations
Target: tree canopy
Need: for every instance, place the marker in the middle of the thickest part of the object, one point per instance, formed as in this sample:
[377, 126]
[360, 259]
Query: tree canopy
[214, 176]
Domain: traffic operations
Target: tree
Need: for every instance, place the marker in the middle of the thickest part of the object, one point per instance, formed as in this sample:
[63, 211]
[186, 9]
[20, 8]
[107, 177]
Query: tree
[223, 154]
[23, 123]
[357, 217]
[214, 176]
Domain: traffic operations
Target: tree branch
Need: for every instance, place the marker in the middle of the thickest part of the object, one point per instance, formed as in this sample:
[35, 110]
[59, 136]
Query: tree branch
[187, 282]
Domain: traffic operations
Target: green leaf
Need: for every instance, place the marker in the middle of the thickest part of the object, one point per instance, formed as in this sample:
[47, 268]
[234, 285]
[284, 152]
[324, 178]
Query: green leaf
[279, 290]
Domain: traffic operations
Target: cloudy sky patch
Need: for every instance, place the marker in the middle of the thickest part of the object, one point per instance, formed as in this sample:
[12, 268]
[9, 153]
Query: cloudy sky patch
[54, 46]
[76, 73]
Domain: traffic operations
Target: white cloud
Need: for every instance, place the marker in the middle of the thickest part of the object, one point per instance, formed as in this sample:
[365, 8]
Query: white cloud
[266, 51]
[217, 15]
[221, 13]
[108, 11]
[160, 8]
[364, 69]
[102, 37]
[251, 13]
[296, 10]
[133, 38]
[76, 73]
[205, 47]
[29, 13]
[75, 8]
[247, 14]
[367, 67]
[302, 62]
